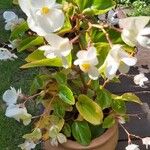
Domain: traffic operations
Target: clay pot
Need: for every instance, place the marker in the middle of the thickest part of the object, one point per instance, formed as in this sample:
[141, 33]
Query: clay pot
[107, 141]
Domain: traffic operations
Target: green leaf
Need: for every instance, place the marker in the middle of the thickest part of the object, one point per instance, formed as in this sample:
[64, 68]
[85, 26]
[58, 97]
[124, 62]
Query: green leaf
[37, 59]
[38, 83]
[131, 97]
[56, 62]
[94, 7]
[96, 130]
[19, 31]
[30, 42]
[61, 78]
[35, 135]
[67, 130]
[59, 110]
[119, 106]
[109, 121]
[66, 95]
[36, 55]
[89, 110]
[103, 98]
[81, 132]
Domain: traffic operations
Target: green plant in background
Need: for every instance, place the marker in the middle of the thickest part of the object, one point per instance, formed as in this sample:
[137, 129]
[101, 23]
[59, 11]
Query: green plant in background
[76, 50]
[136, 7]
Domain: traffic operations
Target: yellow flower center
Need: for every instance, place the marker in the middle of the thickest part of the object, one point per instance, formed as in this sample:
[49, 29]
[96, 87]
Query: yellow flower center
[45, 10]
[86, 67]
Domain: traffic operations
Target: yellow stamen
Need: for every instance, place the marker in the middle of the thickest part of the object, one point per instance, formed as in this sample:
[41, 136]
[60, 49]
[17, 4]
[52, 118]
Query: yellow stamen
[86, 67]
[45, 10]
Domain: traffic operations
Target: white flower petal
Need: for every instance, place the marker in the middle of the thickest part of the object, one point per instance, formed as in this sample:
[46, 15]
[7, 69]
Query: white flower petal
[111, 67]
[14, 111]
[11, 96]
[9, 16]
[51, 22]
[54, 142]
[25, 6]
[132, 147]
[130, 61]
[93, 73]
[129, 37]
[146, 141]
[27, 145]
[143, 37]
[82, 54]
[134, 22]
[140, 79]
[61, 138]
[18, 113]
[8, 26]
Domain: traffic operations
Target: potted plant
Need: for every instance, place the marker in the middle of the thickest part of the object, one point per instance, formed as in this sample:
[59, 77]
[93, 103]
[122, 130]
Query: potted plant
[80, 54]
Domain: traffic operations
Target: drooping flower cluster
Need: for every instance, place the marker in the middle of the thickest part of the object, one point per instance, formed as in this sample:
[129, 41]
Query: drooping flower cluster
[5, 54]
[14, 110]
[56, 137]
[117, 59]
[136, 30]
[145, 141]
[11, 20]
[140, 79]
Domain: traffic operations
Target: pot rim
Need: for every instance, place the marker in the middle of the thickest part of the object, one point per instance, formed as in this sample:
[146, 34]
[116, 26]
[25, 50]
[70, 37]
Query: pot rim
[108, 134]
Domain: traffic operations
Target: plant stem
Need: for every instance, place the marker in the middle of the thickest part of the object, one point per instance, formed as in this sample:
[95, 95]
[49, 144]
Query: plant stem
[129, 134]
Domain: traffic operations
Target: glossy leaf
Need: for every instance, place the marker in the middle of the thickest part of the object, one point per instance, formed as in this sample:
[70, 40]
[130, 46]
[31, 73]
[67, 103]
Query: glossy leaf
[19, 31]
[66, 95]
[89, 110]
[30, 42]
[36, 55]
[131, 97]
[56, 62]
[67, 130]
[61, 78]
[81, 132]
[109, 121]
[103, 98]
[119, 106]
[37, 59]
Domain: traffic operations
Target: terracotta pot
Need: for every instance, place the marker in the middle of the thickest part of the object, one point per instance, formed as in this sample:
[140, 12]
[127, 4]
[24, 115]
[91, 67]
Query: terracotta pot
[107, 141]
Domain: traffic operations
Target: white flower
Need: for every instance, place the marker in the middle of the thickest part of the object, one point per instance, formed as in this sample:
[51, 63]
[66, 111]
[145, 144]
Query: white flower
[27, 145]
[140, 79]
[143, 37]
[44, 16]
[10, 96]
[146, 141]
[56, 137]
[11, 20]
[87, 60]
[135, 30]
[132, 147]
[60, 138]
[18, 113]
[58, 47]
[5, 54]
[117, 59]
